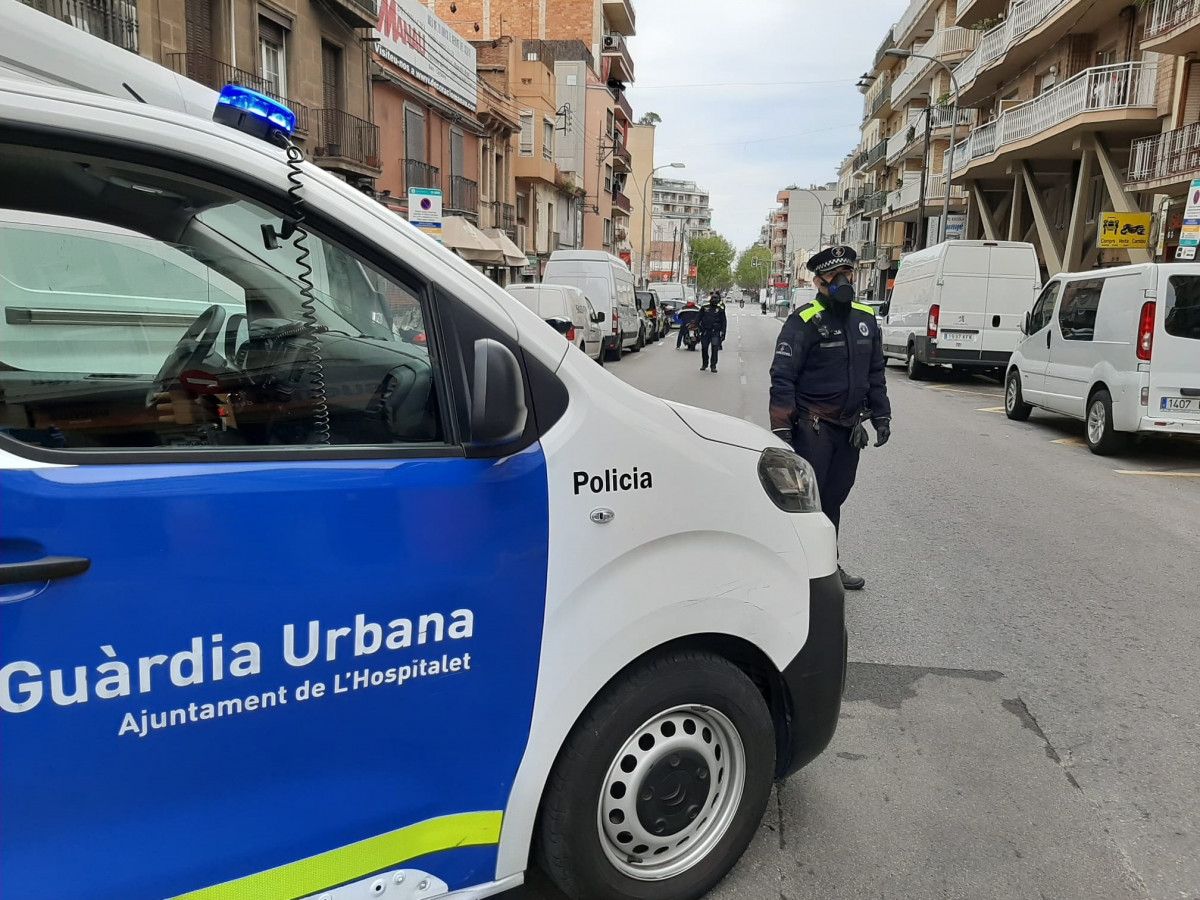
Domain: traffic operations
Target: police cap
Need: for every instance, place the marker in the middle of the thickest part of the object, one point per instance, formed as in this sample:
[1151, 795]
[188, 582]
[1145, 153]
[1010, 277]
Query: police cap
[830, 259]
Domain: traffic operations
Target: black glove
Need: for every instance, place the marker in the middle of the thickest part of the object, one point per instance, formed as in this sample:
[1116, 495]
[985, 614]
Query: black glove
[883, 430]
[858, 436]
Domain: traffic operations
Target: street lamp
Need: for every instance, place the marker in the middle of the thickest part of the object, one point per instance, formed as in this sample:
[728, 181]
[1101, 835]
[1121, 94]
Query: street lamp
[645, 210]
[897, 53]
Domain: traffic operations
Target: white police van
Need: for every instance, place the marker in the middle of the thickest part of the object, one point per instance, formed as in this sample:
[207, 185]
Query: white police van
[357, 583]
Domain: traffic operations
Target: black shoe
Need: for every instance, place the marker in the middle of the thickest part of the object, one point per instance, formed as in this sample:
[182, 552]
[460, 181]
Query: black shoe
[851, 582]
[714, 370]
[703, 367]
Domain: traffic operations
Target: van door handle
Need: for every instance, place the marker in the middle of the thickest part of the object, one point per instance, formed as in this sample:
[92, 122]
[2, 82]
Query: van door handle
[1190, 392]
[1048, 333]
[48, 568]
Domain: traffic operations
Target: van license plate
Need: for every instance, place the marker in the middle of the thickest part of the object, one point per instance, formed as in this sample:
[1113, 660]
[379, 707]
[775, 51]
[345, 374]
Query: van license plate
[1179, 404]
[958, 335]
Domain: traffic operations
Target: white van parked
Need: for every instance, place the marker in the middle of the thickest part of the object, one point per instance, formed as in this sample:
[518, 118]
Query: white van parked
[569, 311]
[960, 303]
[1119, 348]
[609, 284]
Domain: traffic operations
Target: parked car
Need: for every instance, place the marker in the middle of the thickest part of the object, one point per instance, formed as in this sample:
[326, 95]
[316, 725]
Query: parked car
[609, 284]
[1118, 348]
[671, 297]
[648, 304]
[568, 311]
[960, 303]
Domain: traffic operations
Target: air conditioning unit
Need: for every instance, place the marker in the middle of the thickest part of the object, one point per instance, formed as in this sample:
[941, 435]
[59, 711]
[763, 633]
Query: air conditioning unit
[614, 43]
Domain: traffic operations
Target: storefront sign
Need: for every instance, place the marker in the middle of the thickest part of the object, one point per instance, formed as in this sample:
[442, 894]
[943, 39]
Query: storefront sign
[412, 38]
[425, 210]
[1125, 231]
[1189, 234]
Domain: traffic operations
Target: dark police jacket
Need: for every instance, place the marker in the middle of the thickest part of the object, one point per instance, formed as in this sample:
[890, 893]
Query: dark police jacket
[828, 367]
[712, 318]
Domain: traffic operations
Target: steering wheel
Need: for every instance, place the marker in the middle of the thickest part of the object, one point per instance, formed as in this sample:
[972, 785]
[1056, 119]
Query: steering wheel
[193, 348]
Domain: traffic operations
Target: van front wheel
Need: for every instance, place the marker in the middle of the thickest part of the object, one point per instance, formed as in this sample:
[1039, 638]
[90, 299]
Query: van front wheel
[1102, 438]
[661, 786]
[1015, 406]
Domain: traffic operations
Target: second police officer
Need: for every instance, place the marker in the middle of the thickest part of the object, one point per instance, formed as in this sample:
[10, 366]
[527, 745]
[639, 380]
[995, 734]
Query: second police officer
[827, 379]
[713, 324]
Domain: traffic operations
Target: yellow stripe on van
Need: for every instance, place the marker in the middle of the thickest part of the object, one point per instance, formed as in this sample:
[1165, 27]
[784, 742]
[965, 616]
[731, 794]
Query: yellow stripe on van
[358, 860]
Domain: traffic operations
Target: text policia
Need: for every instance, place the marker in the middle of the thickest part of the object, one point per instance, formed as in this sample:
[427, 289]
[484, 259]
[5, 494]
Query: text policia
[24, 685]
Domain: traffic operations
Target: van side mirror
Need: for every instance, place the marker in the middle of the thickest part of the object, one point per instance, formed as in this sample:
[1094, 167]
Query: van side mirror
[559, 324]
[598, 317]
[1026, 323]
[498, 411]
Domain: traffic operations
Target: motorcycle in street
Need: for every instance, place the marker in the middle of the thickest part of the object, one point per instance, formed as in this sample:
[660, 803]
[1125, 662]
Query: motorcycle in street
[691, 334]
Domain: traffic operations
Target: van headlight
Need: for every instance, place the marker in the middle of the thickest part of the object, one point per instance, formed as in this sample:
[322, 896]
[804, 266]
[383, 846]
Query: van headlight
[789, 481]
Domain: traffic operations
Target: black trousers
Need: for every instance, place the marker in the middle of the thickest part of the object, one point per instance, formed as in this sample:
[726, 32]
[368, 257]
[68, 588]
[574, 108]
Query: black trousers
[835, 462]
[709, 339]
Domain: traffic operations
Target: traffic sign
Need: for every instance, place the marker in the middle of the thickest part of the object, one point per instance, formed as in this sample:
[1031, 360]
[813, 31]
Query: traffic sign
[1189, 234]
[425, 210]
[1125, 230]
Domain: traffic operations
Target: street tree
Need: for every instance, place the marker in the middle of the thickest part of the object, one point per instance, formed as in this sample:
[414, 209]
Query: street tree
[650, 118]
[750, 276]
[712, 255]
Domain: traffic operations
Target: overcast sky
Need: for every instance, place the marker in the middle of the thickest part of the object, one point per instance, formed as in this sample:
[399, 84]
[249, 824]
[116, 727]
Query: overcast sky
[744, 143]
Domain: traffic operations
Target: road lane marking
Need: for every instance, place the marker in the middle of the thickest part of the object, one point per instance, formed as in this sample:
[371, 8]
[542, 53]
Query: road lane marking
[1160, 474]
[1071, 441]
[938, 387]
[991, 409]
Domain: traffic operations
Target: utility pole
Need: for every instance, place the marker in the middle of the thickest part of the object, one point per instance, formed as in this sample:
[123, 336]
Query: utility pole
[674, 235]
[922, 228]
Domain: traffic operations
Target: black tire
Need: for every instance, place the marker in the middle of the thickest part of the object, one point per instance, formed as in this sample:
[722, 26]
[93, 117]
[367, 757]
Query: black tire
[1015, 406]
[641, 341]
[613, 353]
[917, 370]
[1102, 438]
[684, 686]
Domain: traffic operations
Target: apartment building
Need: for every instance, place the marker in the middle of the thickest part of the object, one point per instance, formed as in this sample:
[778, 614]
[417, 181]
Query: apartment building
[1063, 89]
[675, 200]
[641, 148]
[305, 53]
[807, 220]
[1162, 166]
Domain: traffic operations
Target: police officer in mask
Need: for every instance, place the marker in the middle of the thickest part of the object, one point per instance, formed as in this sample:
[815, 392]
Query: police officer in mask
[713, 323]
[827, 379]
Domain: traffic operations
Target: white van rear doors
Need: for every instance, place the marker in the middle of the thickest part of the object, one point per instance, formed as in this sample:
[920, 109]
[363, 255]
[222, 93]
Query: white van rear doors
[1012, 277]
[963, 298]
[1175, 356]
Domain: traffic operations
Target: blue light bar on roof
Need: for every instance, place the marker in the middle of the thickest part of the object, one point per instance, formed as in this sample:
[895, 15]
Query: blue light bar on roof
[243, 102]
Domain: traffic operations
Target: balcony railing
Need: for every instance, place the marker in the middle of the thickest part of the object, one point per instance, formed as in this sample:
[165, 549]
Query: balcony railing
[343, 136]
[1128, 85]
[1023, 18]
[621, 202]
[216, 74]
[916, 8]
[868, 252]
[419, 174]
[943, 43]
[504, 217]
[1173, 154]
[879, 93]
[464, 195]
[1168, 15]
[888, 42]
[871, 157]
[876, 202]
[621, 152]
[115, 21]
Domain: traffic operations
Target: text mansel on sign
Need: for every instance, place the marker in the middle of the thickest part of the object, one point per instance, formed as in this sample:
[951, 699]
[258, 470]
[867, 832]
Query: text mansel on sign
[412, 38]
[425, 210]
[1128, 231]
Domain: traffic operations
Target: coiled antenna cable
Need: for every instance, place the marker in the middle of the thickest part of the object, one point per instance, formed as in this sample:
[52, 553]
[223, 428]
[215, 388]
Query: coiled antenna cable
[308, 305]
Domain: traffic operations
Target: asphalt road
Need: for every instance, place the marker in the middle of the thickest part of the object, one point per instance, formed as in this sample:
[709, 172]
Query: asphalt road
[1022, 717]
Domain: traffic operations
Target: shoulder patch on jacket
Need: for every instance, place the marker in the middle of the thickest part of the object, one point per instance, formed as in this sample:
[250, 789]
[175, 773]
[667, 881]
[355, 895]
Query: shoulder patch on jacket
[862, 307]
[806, 313]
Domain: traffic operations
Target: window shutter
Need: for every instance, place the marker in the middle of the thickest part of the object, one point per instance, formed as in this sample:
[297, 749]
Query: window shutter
[1191, 105]
[527, 134]
[270, 31]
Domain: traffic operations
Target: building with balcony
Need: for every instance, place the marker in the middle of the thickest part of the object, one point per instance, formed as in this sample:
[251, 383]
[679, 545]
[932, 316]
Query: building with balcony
[676, 200]
[303, 53]
[1063, 91]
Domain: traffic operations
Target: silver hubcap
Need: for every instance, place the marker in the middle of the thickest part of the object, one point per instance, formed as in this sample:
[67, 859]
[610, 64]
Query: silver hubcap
[1011, 395]
[671, 793]
[1095, 423]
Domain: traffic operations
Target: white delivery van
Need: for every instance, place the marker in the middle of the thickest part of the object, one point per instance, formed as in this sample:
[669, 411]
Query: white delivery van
[334, 596]
[569, 311]
[960, 303]
[609, 284]
[1118, 348]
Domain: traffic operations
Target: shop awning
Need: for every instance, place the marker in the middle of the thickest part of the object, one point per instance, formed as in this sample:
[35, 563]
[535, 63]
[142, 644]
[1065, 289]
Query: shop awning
[513, 255]
[469, 242]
